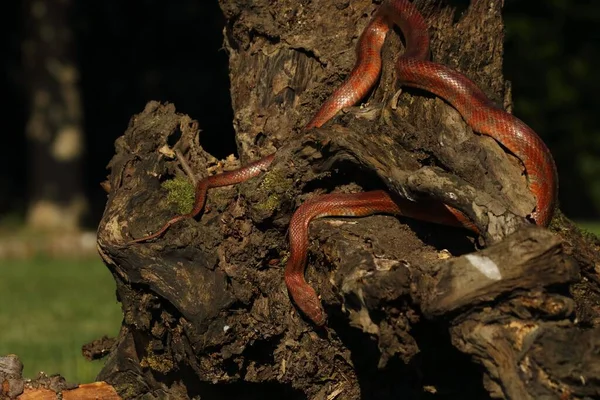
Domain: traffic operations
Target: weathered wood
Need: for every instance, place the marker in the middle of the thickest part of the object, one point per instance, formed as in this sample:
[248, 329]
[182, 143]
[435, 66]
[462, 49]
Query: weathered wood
[534, 357]
[527, 260]
[206, 312]
[88, 391]
[14, 386]
[11, 376]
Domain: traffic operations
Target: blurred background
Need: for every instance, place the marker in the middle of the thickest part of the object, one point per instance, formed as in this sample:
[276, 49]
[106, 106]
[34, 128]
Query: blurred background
[75, 72]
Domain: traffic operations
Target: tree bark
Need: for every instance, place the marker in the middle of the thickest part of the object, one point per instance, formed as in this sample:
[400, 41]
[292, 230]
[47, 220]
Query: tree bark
[414, 309]
[54, 126]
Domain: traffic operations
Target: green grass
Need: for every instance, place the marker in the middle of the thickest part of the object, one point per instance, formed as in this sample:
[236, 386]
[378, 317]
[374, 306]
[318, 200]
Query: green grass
[49, 308]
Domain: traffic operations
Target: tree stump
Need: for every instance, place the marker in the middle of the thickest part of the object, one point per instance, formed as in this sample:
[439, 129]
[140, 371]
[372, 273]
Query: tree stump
[415, 310]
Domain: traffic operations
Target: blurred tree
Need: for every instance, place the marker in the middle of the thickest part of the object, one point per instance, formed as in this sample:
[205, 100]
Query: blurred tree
[54, 125]
[552, 55]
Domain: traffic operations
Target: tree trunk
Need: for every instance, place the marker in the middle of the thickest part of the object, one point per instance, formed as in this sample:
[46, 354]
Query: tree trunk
[54, 127]
[413, 309]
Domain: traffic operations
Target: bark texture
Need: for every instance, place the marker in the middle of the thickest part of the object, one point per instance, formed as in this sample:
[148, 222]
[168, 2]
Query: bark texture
[415, 310]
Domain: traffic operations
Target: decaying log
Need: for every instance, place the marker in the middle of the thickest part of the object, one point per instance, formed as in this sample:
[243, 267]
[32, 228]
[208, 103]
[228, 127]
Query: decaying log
[44, 387]
[413, 307]
[88, 391]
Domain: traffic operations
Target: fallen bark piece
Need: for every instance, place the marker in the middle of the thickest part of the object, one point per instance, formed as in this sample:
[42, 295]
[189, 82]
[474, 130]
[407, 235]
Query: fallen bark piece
[530, 258]
[88, 391]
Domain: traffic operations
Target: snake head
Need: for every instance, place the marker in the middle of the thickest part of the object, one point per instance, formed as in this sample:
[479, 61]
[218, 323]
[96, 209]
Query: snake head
[306, 300]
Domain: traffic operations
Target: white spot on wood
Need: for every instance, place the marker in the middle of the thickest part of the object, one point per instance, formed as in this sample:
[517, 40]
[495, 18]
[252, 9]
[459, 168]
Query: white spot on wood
[485, 265]
[226, 328]
[444, 254]
[167, 152]
[385, 264]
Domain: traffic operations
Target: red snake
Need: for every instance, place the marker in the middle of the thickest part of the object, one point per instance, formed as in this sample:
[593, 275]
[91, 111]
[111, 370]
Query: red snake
[413, 70]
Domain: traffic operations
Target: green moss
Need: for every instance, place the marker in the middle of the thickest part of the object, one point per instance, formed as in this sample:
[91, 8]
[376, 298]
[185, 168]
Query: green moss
[181, 193]
[270, 204]
[158, 362]
[284, 259]
[274, 187]
[126, 390]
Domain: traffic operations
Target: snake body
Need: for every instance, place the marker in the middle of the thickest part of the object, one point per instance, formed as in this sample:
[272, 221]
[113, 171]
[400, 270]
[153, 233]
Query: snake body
[414, 70]
[350, 205]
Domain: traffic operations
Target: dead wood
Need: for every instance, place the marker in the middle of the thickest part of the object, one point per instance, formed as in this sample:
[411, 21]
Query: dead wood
[415, 310]
[44, 387]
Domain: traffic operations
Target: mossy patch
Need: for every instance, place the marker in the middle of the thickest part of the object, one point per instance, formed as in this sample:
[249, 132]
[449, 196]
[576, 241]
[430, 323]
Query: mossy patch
[181, 193]
[274, 187]
[162, 363]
